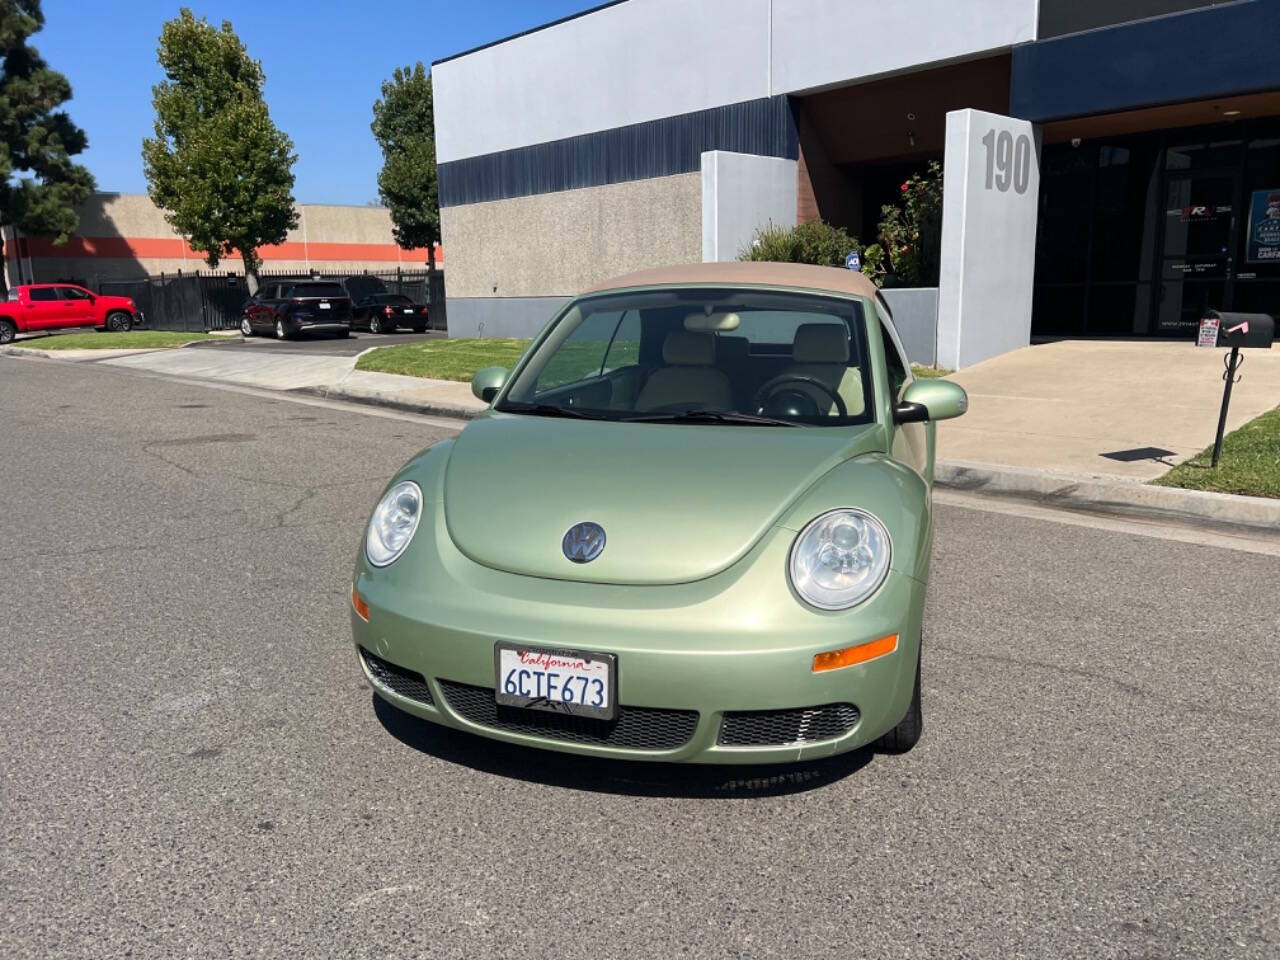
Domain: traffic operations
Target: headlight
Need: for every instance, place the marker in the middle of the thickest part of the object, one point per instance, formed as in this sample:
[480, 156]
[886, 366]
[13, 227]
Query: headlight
[393, 523]
[840, 559]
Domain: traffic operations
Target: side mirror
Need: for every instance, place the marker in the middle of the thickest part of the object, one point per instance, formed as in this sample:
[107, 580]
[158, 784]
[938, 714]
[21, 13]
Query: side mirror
[931, 400]
[487, 382]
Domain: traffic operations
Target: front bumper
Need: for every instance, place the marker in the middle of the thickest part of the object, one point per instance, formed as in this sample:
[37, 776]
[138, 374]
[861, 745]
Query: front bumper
[717, 671]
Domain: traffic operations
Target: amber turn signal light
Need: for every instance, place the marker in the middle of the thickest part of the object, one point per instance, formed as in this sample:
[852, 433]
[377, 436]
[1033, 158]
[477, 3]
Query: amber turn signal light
[362, 608]
[835, 659]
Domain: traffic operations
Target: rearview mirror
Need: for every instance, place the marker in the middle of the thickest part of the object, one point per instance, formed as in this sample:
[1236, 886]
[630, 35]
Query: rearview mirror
[487, 382]
[931, 400]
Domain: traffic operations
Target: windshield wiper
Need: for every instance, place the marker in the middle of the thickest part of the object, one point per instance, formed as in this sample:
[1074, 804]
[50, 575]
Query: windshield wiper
[547, 410]
[710, 416]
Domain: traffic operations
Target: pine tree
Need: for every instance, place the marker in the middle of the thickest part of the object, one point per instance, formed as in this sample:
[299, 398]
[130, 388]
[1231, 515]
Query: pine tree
[36, 138]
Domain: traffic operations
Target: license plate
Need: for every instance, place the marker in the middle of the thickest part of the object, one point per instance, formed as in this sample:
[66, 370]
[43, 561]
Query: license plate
[409, 311]
[324, 306]
[571, 682]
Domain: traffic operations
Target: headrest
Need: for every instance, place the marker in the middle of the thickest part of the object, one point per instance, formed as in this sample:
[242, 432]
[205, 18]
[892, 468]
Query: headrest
[709, 322]
[821, 343]
[684, 349]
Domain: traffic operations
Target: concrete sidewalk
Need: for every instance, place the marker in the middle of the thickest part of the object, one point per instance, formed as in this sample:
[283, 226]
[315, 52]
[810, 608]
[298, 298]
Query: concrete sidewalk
[1103, 408]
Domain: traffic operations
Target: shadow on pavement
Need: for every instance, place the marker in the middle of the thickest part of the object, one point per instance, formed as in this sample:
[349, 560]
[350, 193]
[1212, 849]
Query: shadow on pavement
[633, 778]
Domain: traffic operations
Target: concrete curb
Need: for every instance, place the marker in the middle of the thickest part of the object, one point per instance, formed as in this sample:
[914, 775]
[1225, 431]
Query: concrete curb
[391, 403]
[90, 353]
[76, 355]
[1107, 494]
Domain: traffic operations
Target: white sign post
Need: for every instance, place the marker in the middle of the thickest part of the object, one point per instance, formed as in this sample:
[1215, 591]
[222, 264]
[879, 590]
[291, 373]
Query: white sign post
[991, 191]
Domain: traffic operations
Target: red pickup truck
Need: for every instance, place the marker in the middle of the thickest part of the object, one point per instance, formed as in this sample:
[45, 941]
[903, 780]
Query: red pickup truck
[52, 306]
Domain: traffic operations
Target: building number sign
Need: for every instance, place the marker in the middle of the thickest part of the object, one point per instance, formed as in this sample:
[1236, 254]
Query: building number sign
[1008, 161]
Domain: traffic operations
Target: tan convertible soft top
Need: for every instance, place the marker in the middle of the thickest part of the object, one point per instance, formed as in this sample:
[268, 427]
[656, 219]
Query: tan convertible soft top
[833, 279]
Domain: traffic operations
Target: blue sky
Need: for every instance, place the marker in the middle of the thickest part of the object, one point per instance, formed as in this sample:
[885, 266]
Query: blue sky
[325, 63]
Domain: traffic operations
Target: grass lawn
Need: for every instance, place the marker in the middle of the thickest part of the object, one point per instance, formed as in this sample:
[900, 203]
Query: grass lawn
[443, 359]
[928, 373]
[133, 340]
[1250, 462]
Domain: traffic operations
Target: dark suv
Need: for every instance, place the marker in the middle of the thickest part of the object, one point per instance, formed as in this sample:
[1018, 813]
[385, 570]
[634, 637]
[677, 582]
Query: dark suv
[285, 308]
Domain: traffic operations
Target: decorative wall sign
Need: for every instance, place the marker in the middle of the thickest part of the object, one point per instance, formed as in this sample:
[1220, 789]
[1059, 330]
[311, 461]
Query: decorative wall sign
[1263, 242]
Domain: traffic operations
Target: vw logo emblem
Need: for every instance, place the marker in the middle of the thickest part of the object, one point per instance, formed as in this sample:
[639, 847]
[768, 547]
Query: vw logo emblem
[583, 542]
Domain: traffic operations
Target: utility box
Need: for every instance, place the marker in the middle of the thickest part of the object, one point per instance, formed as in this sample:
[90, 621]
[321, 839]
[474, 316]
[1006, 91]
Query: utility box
[1256, 330]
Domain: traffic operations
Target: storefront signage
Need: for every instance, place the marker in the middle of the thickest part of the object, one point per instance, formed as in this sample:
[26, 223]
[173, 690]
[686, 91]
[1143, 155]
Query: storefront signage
[1264, 227]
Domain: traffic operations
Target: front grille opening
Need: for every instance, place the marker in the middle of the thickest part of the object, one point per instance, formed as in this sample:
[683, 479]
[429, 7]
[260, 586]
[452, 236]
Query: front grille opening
[405, 682]
[776, 728]
[638, 728]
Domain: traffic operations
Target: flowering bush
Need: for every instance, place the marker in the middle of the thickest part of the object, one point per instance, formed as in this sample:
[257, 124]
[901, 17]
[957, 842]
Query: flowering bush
[911, 229]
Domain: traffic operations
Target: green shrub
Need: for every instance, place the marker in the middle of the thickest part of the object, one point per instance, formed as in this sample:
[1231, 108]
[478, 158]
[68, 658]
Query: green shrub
[812, 242]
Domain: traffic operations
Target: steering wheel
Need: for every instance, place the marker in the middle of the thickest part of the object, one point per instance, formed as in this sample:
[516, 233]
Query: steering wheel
[771, 387]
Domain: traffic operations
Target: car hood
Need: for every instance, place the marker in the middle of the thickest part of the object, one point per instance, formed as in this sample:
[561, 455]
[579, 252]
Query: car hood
[678, 502]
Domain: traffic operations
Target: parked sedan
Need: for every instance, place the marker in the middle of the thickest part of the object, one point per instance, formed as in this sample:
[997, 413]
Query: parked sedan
[694, 524]
[377, 310]
[285, 308]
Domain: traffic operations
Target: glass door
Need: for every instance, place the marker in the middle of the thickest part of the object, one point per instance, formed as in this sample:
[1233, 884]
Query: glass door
[1195, 261]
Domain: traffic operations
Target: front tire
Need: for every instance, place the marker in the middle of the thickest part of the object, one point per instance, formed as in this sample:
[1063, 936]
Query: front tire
[7, 331]
[282, 332]
[119, 322]
[907, 733]
[246, 328]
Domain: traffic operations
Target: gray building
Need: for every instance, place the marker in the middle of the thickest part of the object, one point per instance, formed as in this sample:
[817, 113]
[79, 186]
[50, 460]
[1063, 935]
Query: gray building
[1108, 162]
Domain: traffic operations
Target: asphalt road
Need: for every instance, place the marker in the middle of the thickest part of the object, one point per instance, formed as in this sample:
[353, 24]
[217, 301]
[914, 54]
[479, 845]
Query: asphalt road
[320, 343]
[192, 765]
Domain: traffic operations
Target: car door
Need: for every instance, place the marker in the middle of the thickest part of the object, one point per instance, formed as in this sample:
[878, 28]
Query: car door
[77, 306]
[42, 308]
[251, 308]
[280, 294]
[260, 314]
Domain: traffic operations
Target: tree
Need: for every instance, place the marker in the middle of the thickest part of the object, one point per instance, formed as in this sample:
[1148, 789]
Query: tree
[35, 137]
[404, 126]
[217, 166]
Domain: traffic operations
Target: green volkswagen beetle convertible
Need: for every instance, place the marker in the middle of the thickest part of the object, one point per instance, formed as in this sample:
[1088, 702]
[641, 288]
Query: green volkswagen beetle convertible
[694, 524]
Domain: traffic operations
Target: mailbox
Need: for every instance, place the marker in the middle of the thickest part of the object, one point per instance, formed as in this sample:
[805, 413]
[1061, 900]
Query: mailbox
[1244, 329]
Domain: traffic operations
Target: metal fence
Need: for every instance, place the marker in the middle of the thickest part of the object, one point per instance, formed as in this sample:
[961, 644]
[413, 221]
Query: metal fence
[170, 302]
[214, 301]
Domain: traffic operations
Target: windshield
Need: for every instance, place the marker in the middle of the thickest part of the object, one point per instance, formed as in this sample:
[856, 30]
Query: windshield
[701, 355]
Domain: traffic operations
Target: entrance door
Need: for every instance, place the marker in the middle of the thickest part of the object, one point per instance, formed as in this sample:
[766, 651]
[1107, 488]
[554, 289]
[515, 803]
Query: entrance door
[1196, 256]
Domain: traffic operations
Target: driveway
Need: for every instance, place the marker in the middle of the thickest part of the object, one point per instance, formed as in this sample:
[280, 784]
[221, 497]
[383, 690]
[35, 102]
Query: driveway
[193, 765]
